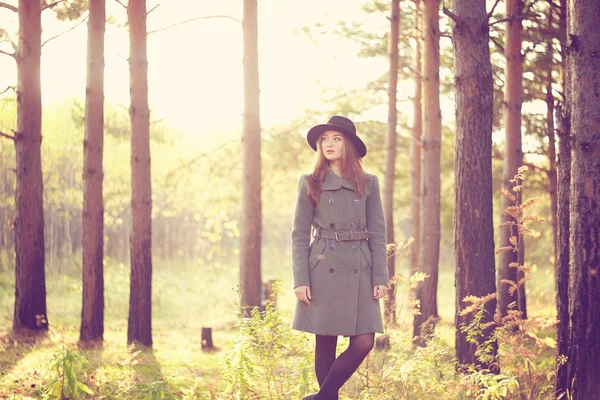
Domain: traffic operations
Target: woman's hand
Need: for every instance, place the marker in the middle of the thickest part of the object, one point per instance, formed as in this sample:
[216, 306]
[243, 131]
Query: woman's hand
[379, 291]
[303, 294]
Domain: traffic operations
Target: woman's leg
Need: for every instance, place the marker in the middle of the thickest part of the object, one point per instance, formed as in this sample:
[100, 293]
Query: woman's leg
[345, 365]
[324, 356]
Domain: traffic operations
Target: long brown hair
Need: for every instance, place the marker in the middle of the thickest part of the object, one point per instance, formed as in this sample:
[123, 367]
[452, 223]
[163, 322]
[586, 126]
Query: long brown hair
[351, 167]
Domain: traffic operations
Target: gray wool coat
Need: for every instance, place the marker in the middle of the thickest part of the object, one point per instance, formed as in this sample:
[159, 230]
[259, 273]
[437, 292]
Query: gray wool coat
[341, 274]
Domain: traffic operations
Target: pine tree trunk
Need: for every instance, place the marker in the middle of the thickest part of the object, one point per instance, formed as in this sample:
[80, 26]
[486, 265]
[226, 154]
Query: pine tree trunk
[430, 179]
[92, 311]
[140, 300]
[30, 286]
[513, 157]
[583, 65]
[390, 160]
[563, 217]
[415, 148]
[251, 230]
[473, 212]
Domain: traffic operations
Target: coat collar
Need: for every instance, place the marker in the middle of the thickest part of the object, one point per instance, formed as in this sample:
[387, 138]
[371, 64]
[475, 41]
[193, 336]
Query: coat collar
[334, 182]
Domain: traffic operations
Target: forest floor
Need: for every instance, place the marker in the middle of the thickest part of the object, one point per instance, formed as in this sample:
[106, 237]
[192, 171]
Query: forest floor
[257, 360]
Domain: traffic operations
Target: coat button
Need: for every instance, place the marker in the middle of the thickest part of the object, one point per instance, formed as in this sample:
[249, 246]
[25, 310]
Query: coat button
[332, 226]
[331, 270]
[355, 247]
[355, 270]
[332, 247]
[352, 225]
[355, 201]
[330, 201]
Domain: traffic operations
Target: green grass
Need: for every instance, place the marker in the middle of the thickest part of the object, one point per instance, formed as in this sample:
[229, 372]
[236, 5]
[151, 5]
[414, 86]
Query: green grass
[188, 295]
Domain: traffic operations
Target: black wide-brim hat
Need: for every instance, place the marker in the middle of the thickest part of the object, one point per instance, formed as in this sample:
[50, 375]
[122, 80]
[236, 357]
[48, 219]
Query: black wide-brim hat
[339, 124]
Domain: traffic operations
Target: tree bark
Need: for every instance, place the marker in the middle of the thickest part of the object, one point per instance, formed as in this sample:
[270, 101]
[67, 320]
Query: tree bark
[415, 147]
[430, 179]
[473, 211]
[390, 160]
[513, 157]
[140, 295]
[30, 286]
[92, 310]
[584, 278]
[251, 229]
[563, 217]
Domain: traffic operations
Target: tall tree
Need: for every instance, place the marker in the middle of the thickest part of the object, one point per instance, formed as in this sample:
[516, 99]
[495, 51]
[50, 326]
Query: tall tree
[139, 327]
[92, 311]
[424, 321]
[390, 158]
[583, 64]
[563, 216]
[415, 145]
[473, 211]
[513, 157]
[30, 287]
[251, 229]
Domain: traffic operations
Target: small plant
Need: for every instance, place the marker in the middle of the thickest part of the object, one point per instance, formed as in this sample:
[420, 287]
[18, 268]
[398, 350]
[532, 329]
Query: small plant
[66, 369]
[267, 361]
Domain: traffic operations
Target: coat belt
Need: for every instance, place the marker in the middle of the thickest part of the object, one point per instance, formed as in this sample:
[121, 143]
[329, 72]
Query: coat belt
[340, 236]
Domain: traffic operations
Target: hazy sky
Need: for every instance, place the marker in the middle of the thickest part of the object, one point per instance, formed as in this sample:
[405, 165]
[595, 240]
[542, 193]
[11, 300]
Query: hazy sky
[195, 69]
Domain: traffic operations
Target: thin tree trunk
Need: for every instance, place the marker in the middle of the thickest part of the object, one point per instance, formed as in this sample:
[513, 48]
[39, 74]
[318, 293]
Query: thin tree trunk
[513, 157]
[30, 286]
[92, 311]
[390, 160]
[415, 147]
[251, 230]
[474, 258]
[140, 297]
[552, 188]
[430, 180]
[584, 278]
[563, 217]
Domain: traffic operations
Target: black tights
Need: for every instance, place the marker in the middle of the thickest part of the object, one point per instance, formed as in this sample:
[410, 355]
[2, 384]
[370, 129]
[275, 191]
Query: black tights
[333, 372]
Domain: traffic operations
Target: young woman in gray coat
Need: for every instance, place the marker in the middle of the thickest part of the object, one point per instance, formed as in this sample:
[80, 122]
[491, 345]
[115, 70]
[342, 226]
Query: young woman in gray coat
[339, 275]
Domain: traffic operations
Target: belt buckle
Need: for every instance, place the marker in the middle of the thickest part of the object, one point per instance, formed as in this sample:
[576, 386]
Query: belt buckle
[337, 238]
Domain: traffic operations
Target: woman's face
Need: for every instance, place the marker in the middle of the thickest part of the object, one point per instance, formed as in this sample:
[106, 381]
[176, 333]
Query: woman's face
[332, 144]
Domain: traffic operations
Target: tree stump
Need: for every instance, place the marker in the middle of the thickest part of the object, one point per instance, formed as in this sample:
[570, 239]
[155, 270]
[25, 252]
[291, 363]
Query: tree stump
[207, 342]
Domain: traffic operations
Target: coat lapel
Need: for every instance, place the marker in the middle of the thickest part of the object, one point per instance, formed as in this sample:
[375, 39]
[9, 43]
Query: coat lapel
[334, 182]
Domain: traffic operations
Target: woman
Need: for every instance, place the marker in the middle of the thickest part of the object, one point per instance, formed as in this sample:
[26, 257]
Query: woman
[341, 274]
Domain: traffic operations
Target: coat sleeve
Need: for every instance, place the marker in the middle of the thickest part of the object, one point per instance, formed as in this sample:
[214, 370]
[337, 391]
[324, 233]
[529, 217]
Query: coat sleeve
[303, 217]
[377, 244]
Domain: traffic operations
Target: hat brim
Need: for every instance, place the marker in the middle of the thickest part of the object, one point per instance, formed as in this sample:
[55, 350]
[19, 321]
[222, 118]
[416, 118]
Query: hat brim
[317, 130]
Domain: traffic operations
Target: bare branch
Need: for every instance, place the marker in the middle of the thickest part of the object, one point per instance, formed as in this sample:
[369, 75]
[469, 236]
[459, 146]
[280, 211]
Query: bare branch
[492, 10]
[194, 19]
[452, 16]
[7, 89]
[520, 16]
[153, 8]
[52, 5]
[554, 4]
[13, 55]
[8, 6]
[497, 44]
[68, 30]
[121, 3]
[7, 136]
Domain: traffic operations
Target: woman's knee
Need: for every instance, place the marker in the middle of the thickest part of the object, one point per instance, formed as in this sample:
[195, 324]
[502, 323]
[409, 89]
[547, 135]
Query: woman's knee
[363, 343]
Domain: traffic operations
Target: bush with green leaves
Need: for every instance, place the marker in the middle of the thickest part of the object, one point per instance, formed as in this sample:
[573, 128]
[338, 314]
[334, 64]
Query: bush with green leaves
[268, 359]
